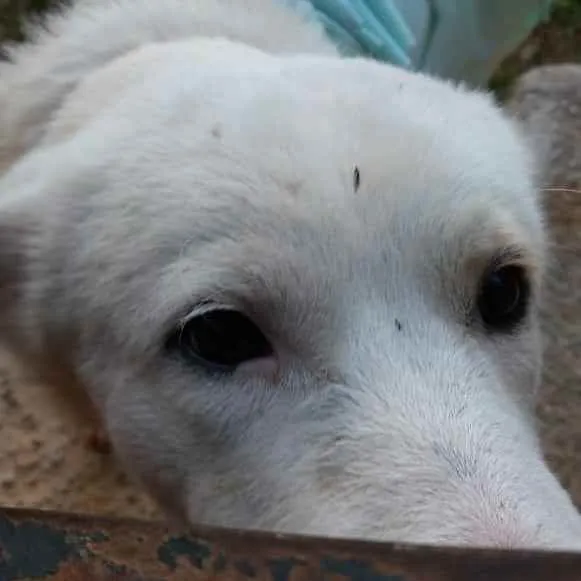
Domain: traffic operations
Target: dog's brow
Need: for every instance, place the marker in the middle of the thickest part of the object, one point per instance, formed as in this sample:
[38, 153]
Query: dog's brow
[509, 255]
[498, 236]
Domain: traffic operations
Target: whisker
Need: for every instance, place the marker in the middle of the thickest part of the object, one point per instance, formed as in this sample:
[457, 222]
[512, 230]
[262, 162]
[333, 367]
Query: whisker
[561, 189]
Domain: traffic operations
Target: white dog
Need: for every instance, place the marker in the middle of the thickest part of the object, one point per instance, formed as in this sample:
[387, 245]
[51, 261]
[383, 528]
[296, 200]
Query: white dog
[301, 290]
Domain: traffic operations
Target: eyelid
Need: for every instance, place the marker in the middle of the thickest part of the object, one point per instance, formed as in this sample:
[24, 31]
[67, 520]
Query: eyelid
[510, 255]
[175, 324]
[203, 308]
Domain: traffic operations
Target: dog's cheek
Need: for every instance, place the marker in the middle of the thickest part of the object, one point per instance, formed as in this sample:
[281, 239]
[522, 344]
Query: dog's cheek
[16, 242]
[10, 265]
[147, 442]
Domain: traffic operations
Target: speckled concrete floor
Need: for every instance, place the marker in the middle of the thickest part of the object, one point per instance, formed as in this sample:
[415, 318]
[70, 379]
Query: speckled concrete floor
[47, 459]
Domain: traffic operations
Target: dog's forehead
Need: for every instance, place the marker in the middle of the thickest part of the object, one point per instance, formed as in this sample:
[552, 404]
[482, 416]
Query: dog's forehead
[316, 139]
[317, 131]
[311, 109]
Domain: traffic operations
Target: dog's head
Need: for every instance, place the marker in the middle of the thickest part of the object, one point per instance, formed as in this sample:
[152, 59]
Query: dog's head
[302, 292]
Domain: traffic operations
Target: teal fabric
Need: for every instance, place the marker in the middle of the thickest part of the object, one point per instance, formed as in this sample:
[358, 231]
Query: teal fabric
[458, 39]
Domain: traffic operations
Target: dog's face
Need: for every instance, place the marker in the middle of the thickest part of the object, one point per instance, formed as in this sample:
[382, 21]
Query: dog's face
[303, 294]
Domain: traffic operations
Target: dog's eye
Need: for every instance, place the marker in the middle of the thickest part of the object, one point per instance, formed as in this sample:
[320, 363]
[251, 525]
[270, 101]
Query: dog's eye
[222, 339]
[503, 299]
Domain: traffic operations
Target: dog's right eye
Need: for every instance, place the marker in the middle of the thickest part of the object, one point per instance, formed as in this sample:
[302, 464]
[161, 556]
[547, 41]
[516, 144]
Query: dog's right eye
[222, 339]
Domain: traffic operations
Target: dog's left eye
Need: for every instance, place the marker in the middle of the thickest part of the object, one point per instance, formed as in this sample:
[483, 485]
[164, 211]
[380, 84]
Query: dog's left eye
[503, 298]
[222, 339]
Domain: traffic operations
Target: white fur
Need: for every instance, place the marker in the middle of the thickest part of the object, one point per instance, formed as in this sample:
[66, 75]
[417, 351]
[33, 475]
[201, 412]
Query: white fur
[164, 153]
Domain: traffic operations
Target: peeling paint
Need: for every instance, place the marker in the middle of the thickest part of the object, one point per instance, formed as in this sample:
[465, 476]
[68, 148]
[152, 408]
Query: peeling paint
[195, 551]
[354, 569]
[246, 569]
[281, 569]
[22, 557]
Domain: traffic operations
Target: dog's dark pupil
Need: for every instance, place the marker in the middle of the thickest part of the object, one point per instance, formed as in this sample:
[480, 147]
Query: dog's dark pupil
[224, 338]
[504, 298]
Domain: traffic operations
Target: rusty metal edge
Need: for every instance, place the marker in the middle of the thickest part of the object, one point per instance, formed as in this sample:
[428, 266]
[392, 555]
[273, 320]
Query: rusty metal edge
[58, 546]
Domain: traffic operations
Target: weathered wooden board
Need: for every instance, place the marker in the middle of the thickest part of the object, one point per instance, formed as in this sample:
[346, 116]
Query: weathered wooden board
[58, 547]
